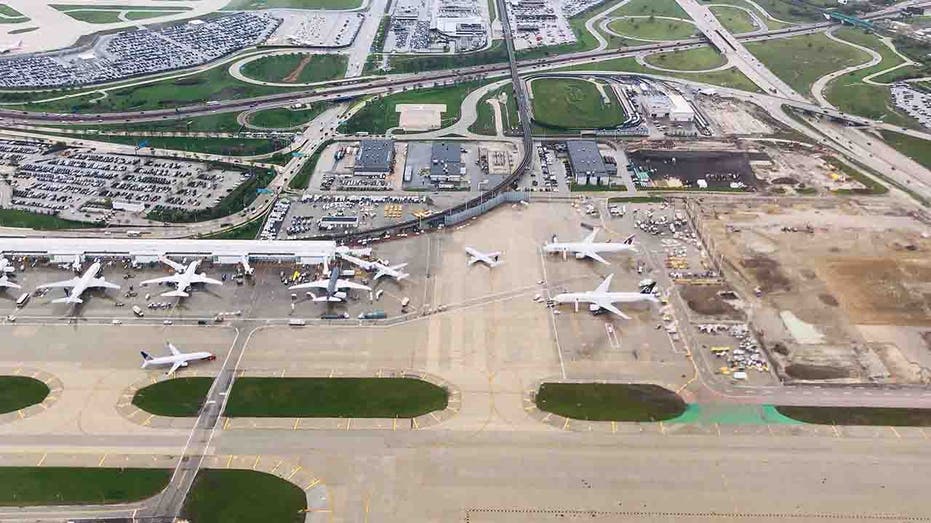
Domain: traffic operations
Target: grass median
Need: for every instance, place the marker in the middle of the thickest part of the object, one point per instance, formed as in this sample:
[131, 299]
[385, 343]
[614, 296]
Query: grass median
[39, 222]
[178, 397]
[18, 392]
[233, 496]
[610, 401]
[32, 486]
[878, 416]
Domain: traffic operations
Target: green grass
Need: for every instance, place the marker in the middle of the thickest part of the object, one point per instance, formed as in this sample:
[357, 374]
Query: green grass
[915, 148]
[249, 231]
[240, 198]
[697, 59]
[735, 20]
[244, 5]
[208, 145]
[399, 64]
[379, 114]
[95, 16]
[800, 60]
[334, 398]
[302, 179]
[8, 15]
[178, 397]
[609, 402]
[485, 121]
[585, 41]
[213, 84]
[567, 103]
[731, 78]
[791, 11]
[284, 117]
[41, 222]
[886, 417]
[848, 92]
[772, 25]
[653, 28]
[279, 68]
[142, 15]
[870, 185]
[31, 486]
[652, 8]
[637, 199]
[211, 123]
[22, 30]
[243, 496]
[18, 392]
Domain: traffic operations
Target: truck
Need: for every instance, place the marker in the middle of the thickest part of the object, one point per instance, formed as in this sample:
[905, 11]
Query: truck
[22, 300]
[137, 310]
[295, 322]
[334, 316]
[374, 315]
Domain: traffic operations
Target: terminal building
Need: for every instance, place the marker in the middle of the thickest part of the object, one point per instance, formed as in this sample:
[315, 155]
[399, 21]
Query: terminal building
[374, 158]
[66, 250]
[586, 164]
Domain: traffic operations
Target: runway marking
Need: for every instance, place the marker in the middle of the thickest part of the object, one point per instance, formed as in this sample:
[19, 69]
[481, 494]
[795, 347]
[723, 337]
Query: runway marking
[20, 412]
[717, 427]
[42, 460]
[662, 428]
[614, 427]
[414, 423]
[282, 372]
[297, 423]
[312, 484]
[348, 423]
[836, 432]
[256, 464]
[229, 461]
[895, 432]
[102, 458]
[293, 472]
[226, 423]
[276, 466]
[432, 415]
[923, 433]
[565, 425]
[394, 424]
[148, 420]
[17, 371]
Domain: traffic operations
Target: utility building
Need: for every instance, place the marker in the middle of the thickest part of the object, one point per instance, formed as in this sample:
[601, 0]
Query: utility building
[446, 163]
[670, 106]
[375, 158]
[586, 163]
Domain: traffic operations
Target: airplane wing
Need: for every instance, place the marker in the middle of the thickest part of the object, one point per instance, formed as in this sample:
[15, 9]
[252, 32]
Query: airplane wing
[597, 257]
[606, 284]
[100, 282]
[66, 284]
[473, 260]
[200, 278]
[319, 284]
[611, 308]
[174, 265]
[164, 279]
[174, 350]
[358, 262]
[175, 366]
[591, 237]
[7, 283]
[346, 284]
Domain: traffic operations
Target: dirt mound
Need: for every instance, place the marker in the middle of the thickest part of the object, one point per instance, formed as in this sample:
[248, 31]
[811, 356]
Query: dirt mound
[827, 299]
[705, 300]
[785, 180]
[767, 273]
[805, 371]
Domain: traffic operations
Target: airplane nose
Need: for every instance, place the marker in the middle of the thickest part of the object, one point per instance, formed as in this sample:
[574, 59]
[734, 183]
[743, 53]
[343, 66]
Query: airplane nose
[211, 357]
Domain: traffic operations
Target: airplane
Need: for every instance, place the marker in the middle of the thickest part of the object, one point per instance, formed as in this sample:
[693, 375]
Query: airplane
[6, 283]
[602, 298]
[333, 286]
[246, 268]
[184, 277]
[78, 285]
[177, 359]
[489, 258]
[5, 266]
[380, 268]
[589, 248]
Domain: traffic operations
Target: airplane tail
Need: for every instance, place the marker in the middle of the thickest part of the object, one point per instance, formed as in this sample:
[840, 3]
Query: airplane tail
[176, 294]
[69, 299]
[146, 358]
[629, 240]
[648, 288]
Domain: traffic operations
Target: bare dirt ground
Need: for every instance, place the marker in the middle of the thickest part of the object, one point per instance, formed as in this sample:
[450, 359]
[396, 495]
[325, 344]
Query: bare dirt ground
[839, 267]
[706, 300]
[296, 73]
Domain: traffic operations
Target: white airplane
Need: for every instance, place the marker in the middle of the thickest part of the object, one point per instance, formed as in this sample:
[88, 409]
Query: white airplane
[488, 258]
[6, 283]
[380, 268]
[184, 277]
[246, 268]
[5, 266]
[333, 286]
[602, 298]
[589, 248]
[88, 280]
[177, 359]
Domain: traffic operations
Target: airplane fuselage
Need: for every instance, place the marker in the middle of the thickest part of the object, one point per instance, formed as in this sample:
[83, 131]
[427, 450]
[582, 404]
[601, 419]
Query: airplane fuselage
[580, 248]
[609, 297]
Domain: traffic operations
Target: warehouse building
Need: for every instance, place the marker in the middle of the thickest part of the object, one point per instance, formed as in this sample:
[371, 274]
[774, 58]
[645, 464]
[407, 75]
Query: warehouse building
[673, 106]
[374, 158]
[446, 163]
[586, 163]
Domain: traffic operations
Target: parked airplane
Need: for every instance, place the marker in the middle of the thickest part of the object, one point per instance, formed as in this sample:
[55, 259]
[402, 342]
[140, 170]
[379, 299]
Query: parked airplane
[184, 277]
[246, 268]
[602, 298]
[88, 280]
[334, 286]
[380, 269]
[589, 248]
[5, 266]
[5, 282]
[176, 360]
[488, 258]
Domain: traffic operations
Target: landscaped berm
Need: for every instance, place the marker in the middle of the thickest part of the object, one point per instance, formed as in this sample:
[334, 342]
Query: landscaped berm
[610, 401]
[334, 398]
[18, 392]
[569, 103]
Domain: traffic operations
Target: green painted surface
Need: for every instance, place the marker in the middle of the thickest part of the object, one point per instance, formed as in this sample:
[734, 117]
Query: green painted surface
[733, 414]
